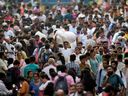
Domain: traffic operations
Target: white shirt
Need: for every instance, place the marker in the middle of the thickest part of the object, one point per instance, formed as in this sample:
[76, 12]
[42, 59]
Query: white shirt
[66, 53]
[47, 68]
[122, 77]
[43, 86]
[3, 90]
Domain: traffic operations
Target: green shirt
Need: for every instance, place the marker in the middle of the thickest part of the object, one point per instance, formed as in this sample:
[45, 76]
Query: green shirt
[30, 67]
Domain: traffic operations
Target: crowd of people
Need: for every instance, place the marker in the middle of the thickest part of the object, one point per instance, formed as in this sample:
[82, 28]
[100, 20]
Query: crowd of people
[40, 57]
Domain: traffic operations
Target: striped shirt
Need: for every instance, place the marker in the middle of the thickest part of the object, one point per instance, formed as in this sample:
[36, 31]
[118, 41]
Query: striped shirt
[73, 65]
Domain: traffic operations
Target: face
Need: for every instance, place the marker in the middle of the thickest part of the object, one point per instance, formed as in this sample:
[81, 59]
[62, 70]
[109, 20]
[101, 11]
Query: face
[31, 74]
[110, 70]
[105, 64]
[36, 77]
[77, 51]
[72, 89]
[65, 45]
[114, 65]
[79, 87]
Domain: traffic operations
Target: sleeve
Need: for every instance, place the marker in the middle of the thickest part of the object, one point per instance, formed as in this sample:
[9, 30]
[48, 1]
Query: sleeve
[124, 80]
[3, 87]
[23, 88]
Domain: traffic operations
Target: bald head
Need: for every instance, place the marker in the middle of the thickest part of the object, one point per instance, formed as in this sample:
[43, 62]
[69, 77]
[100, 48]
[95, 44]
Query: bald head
[59, 93]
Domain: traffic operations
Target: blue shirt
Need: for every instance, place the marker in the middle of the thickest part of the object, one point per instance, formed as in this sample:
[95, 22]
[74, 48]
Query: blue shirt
[35, 88]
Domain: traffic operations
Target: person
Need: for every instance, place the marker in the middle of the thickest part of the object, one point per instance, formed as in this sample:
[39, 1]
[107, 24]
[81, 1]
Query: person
[118, 72]
[79, 90]
[59, 93]
[125, 70]
[35, 84]
[32, 66]
[14, 72]
[66, 51]
[114, 80]
[3, 90]
[88, 80]
[63, 73]
[73, 65]
[24, 87]
[3, 64]
[100, 75]
[51, 64]
[47, 87]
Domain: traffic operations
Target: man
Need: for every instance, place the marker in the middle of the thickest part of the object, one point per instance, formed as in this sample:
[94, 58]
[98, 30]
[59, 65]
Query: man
[59, 93]
[66, 51]
[31, 67]
[51, 65]
[114, 80]
[73, 65]
[125, 71]
[3, 90]
[119, 72]
[101, 74]
[83, 60]
[64, 74]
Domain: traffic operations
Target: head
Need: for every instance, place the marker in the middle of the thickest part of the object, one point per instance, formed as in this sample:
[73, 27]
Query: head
[126, 61]
[51, 61]
[105, 63]
[44, 78]
[110, 70]
[66, 44]
[16, 63]
[79, 87]
[72, 88]
[2, 76]
[30, 74]
[72, 57]
[63, 68]
[77, 50]
[36, 76]
[82, 59]
[59, 93]
[32, 59]
[114, 64]
[80, 45]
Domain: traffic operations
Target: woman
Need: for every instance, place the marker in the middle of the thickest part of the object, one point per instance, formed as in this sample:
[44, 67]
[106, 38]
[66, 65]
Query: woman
[24, 87]
[34, 85]
[21, 59]
[88, 80]
[47, 87]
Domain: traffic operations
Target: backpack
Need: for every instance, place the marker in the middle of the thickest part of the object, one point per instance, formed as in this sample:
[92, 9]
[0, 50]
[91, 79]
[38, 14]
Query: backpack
[45, 56]
[61, 83]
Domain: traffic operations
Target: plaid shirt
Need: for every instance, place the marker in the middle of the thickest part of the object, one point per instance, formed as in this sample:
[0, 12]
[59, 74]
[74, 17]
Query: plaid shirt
[75, 66]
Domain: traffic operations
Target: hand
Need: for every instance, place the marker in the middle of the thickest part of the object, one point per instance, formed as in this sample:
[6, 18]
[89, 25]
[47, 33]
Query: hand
[33, 91]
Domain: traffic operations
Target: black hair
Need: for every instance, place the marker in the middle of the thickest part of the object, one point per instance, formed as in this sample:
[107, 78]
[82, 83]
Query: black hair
[63, 68]
[126, 61]
[2, 76]
[27, 60]
[120, 57]
[10, 61]
[32, 59]
[82, 57]
[72, 57]
[45, 76]
[115, 62]
[47, 46]
[16, 62]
